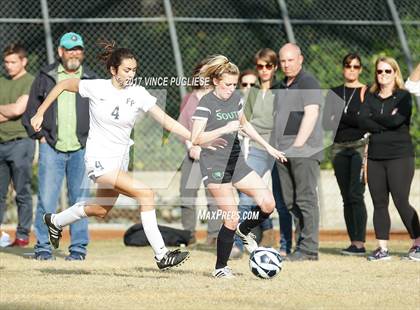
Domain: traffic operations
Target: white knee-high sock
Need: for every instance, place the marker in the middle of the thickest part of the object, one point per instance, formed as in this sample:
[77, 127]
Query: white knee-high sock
[70, 215]
[148, 220]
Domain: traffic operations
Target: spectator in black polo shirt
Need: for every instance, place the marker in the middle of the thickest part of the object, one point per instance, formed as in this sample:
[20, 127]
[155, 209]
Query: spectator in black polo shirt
[297, 130]
[386, 115]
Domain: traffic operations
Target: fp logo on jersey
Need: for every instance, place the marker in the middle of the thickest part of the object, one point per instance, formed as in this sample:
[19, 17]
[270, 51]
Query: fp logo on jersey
[130, 102]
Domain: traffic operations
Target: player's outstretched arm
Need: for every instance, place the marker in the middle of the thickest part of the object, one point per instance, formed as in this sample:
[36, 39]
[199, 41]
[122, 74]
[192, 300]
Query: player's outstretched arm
[205, 138]
[69, 85]
[254, 135]
[169, 123]
[415, 75]
[197, 130]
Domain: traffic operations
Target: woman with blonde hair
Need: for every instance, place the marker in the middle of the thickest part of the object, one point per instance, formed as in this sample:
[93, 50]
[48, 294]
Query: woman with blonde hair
[190, 170]
[219, 115]
[386, 115]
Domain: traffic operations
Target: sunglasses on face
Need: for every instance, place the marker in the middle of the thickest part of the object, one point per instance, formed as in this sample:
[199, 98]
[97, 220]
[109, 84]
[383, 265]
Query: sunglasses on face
[387, 71]
[74, 50]
[246, 84]
[267, 66]
[355, 67]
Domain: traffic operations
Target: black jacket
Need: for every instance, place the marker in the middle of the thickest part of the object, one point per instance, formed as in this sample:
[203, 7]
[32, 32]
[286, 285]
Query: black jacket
[42, 85]
[390, 132]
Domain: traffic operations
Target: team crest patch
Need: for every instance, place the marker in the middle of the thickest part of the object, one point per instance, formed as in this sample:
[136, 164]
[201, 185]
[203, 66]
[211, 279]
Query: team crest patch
[218, 175]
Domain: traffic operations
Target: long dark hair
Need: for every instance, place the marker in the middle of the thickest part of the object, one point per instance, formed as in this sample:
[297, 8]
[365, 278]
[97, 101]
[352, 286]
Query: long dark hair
[112, 56]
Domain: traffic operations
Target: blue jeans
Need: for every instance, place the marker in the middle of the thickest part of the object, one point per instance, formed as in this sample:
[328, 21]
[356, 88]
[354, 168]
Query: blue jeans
[16, 166]
[53, 166]
[261, 162]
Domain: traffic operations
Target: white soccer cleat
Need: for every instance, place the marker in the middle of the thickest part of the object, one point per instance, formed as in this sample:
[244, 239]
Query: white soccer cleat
[223, 273]
[248, 240]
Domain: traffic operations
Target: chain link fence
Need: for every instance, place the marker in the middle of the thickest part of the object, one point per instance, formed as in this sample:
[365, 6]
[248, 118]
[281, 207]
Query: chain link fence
[171, 36]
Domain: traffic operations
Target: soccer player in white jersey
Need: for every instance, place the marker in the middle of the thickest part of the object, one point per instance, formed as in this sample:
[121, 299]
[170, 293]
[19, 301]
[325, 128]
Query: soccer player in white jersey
[114, 106]
[219, 115]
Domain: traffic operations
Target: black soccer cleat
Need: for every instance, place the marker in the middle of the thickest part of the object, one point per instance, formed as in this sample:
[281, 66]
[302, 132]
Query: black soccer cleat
[54, 233]
[172, 259]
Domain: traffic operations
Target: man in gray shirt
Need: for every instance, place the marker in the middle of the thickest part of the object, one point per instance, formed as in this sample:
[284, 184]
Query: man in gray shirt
[298, 132]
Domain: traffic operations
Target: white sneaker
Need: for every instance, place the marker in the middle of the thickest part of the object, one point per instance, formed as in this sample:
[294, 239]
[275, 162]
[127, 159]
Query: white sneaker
[414, 253]
[248, 240]
[5, 239]
[225, 272]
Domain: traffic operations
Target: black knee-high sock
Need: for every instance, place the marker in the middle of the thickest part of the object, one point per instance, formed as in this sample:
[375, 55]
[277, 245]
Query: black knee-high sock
[224, 246]
[248, 224]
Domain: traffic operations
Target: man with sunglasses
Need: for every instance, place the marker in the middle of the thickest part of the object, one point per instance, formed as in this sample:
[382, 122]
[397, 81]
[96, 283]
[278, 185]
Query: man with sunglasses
[297, 131]
[62, 143]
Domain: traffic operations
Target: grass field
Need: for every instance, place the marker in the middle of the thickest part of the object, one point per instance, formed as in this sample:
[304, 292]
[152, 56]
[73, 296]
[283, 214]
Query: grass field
[119, 277]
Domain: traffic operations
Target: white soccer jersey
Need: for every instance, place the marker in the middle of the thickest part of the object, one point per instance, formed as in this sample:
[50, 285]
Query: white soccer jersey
[413, 87]
[113, 113]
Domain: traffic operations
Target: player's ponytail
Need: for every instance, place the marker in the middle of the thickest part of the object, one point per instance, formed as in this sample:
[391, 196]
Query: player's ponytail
[201, 70]
[107, 49]
[112, 56]
[216, 66]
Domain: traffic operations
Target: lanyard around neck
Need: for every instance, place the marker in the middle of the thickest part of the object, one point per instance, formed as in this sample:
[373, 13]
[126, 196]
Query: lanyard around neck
[347, 103]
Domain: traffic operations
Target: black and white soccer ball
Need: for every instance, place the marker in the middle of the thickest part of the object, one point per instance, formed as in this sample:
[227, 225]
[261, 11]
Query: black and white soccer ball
[265, 263]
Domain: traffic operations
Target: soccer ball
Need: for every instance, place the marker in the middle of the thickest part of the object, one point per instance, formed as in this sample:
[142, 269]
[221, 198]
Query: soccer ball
[265, 263]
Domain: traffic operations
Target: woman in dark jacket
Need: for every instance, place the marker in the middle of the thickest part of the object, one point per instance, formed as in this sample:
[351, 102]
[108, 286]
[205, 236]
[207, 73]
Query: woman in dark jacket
[341, 115]
[386, 115]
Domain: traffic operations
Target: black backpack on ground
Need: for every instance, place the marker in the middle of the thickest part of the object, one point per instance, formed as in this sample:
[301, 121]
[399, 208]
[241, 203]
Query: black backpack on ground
[135, 236]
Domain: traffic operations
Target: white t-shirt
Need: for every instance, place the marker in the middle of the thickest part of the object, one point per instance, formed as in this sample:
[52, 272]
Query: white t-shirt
[413, 87]
[113, 113]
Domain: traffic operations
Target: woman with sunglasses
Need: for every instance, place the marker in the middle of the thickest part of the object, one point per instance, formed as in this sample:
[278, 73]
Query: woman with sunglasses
[386, 115]
[114, 106]
[219, 115]
[259, 112]
[342, 106]
[247, 79]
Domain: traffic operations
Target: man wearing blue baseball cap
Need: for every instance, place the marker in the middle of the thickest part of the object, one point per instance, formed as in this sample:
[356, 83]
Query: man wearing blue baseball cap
[71, 40]
[62, 144]
[71, 52]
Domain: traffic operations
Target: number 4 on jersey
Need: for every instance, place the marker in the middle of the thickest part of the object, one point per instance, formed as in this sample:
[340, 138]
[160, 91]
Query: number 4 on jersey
[98, 165]
[115, 113]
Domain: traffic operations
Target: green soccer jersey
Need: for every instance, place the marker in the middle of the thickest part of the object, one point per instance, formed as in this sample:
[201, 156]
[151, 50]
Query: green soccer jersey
[10, 91]
[218, 113]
